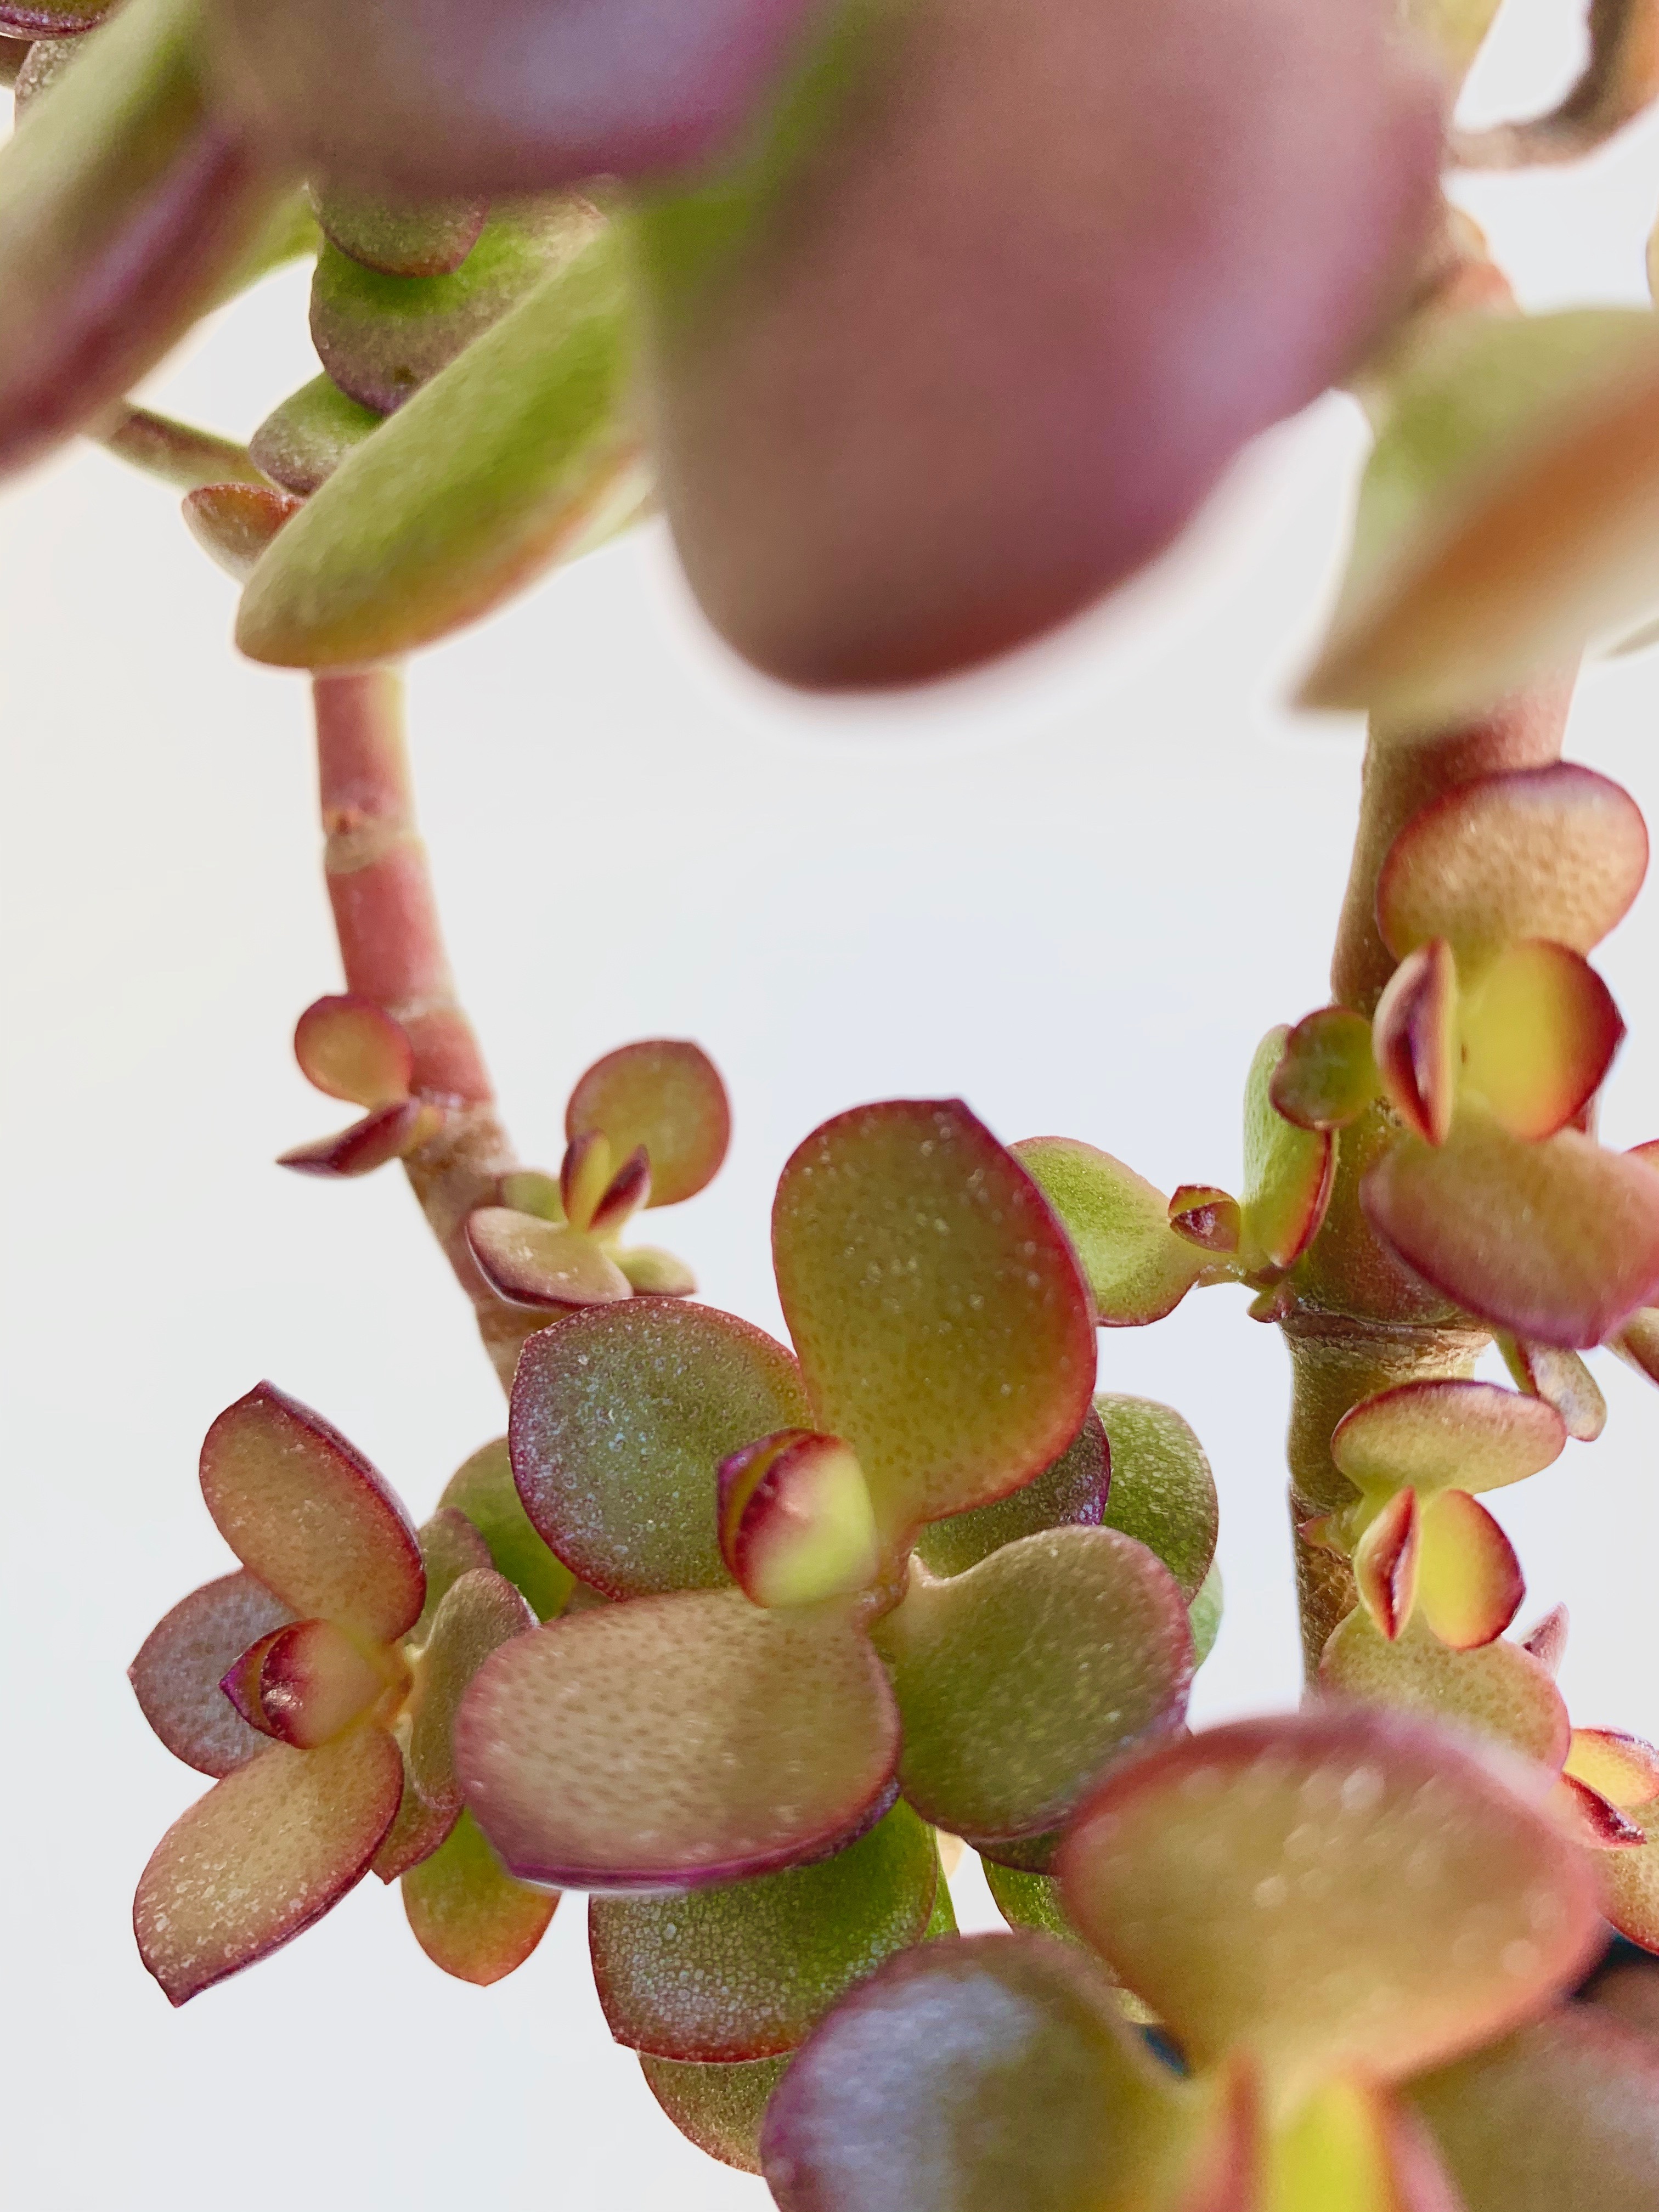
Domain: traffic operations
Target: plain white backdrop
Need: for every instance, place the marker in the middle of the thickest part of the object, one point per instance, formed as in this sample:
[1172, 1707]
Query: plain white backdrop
[1075, 893]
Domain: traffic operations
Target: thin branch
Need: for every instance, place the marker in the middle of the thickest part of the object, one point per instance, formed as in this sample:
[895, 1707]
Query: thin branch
[177, 453]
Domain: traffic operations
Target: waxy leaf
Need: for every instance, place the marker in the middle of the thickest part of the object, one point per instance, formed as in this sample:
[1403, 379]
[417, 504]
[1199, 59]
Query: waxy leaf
[509, 458]
[483, 1488]
[1162, 1492]
[176, 453]
[1070, 1493]
[390, 1133]
[350, 1047]
[1637, 1342]
[746, 1971]
[1448, 1435]
[677, 1741]
[305, 1512]
[666, 1095]
[796, 1522]
[123, 208]
[1563, 2117]
[1599, 1824]
[381, 337]
[1501, 1690]
[51, 19]
[1538, 1032]
[480, 1612]
[974, 2076]
[719, 2108]
[267, 1851]
[234, 522]
[1557, 853]
[1547, 1639]
[1386, 1561]
[1629, 1881]
[1325, 1076]
[468, 1916]
[181, 1662]
[538, 1263]
[450, 1548]
[1469, 1583]
[1339, 1893]
[1287, 1169]
[1029, 1901]
[417, 1831]
[1351, 2144]
[400, 239]
[655, 1273]
[942, 1325]
[1022, 1681]
[305, 1684]
[1558, 1241]
[1628, 1992]
[303, 441]
[1560, 1379]
[1203, 1214]
[1138, 1268]
[1416, 1040]
[1621, 1767]
[621, 1419]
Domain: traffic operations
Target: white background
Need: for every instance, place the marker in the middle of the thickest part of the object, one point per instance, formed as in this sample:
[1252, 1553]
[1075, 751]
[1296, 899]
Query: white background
[1075, 893]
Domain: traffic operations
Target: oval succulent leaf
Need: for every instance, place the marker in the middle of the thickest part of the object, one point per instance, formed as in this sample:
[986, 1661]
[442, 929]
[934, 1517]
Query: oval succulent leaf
[418, 1830]
[123, 208]
[1629, 1881]
[993, 2071]
[1138, 1268]
[1022, 1681]
[350, 1047]
[942, 1324]
[450, 1548]
[305, 1512]
[1500, 1690]
[1621, 1767]
[1561, 1380]
[796, 1523]
[510, 458]
[303, 440]
[746, 1971]
[1071, 1491]
[666, 1094]
[719, 2107]
[470, 1918]
[304, 1685]
[655, 1273]
[1206, 1216]
[400, 239]
[1231, 1881]
[183, 1659]
[1415, 1038]
[266, 1852]
[1386, 1561]
[533, 1262]
[1162, 1492]
[234, 523]
[483, 1489]
[1287, 1169]
[1448, 1435]
[480, 1612]
[1557, 853]
[675, 1742]
[621, 1419]
[1539, 1030]
[1558, 1241]
[1469, 1582]
[390, 1133]
[1326, 1077]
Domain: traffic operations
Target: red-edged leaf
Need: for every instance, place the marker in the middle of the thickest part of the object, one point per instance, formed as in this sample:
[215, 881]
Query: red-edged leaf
[468, 1916]
[1386, 1563]
[1500, 1690]
[1138, 1268]
[181, 1662]
[305, 1512]
[1287, 1170]
[666, 1095]
[1070, 1493]
[1629, 1881]
[268, 1850]
[1415, 1036]
[538, 1263]
[1021, 1681]
[677, 1741]
[416, 1832]
[235, 522]
[1622, 1767]
[352, 1049]
[719, 2108]
[1558, 1241]
[389, 1133]
[621, 1419]
[450, 1546]
[1326, 1077]
[1594, 1819]
[1562, 1380]
[1353, 2145]
[404, 239]
[584, 1173]
[1547, 1639]
[627, 1190]
[1556, 852]
[1637, 1342]
[1469, 1582]
[1208, 1217]
[480, 1612]
[1538, 1032]
[1231, 1880]
[1437, 1436]
[483, 1489]
[796, 1522]
[942, 1326]
[304, 1685]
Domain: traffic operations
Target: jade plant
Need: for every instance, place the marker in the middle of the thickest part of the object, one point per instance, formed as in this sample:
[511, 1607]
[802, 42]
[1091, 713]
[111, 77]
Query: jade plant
[927, 322]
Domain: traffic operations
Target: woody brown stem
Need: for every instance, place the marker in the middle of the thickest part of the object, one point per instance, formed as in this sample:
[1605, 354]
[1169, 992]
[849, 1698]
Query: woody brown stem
[392, 947]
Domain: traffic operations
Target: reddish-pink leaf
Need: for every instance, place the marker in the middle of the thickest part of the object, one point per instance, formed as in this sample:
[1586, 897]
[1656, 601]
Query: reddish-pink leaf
[665, 1095]
[267, 1851]
[1560, 1379]
[1596, 1820]
[1547, 1639]
[416, 1832]
[627, 1190]
[1622, 1767]
[1558, 1241]
[1539, 1032]
[352, 1049]
[468, 1916]
[235, 522]
[1386, 1561]
[1556, 852]
[1469, 1582]
[677, 1741]
[1437, 1436]
[1232, 1881]
[1208, 1217]
[389, 1133]
[304, 1685]
[179, 1665]
[1414, 1037]
[1287, 1170]
[943, 1324]
[480, 1612]
[539, 1263]
[795, 1519]
[305, 1512]
[1500, 1690]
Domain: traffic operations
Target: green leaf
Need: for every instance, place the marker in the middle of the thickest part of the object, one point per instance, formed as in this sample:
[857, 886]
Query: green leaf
[483, 1488]
[1287, 1169]
[1205, 1614]
[1138, 1268]
[1071, 1491]
[1029, 1901]
[718, 2108]
[470, 1918]
[1498, 1690]
[304, 440]
[508, 459]
[1162, 1492]
[746, 1971]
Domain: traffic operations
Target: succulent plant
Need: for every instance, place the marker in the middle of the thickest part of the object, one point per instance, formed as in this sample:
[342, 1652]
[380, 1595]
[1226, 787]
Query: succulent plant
[927, 325]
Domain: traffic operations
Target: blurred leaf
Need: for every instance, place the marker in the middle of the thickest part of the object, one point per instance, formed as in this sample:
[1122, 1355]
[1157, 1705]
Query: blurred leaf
[234, 522]
[1617, 82]
[480, 1611]
[666, 1095]
[655, 1273]
[349, 1047]
[1029, 1901]
[1205, 1614]
[483, 1489]
[400, 238]
[304, 440]
[1138, 1269]
[1561, 1380]
[177, 452]
[1498, 1690]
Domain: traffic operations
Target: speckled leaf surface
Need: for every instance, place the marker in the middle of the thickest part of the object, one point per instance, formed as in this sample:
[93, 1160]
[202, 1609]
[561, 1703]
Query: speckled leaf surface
[1138, 1269]
[483, 1488]
[1447, 1434]
[533, 1262]
[180, 1663]
[943, 1326]
[719, 2108]
[621, 1418]
[1022, 1681]
[745, 1971]
[1162, 1492]
[666, 1094]
[304, 438]
[677, 1741]
[470, 1918]
[1071, 1491]
[1499, 1691]
[479, 1613]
